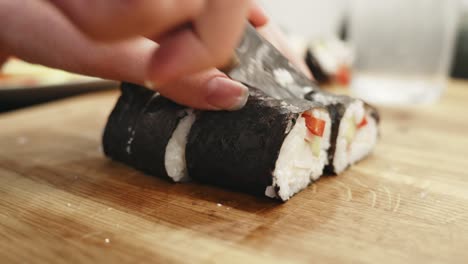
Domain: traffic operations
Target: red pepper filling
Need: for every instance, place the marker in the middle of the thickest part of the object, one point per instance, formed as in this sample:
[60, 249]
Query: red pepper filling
[314, 125]
[343, 76]
[363, 123]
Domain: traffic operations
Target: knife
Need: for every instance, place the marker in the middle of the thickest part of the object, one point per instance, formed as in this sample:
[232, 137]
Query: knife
[257, 63]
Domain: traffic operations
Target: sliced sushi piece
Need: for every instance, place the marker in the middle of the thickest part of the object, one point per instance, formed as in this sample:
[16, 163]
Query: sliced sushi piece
[270, 147]
[315, 67]
[366, 135]
[329, 60]
[354, 130]
[155, 141]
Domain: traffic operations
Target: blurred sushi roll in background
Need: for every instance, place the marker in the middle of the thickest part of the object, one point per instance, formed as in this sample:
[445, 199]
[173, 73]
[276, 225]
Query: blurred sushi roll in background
[330, 61]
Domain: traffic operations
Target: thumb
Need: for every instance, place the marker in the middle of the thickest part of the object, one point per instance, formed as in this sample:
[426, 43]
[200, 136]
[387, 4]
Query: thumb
[257, 16]
[208, 90]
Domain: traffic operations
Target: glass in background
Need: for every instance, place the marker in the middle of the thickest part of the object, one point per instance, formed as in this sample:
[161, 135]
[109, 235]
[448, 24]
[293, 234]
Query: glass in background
[460, 65]
[403, 49]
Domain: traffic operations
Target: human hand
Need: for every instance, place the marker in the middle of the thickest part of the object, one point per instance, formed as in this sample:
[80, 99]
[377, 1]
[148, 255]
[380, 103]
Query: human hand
[193, 35]
[230, 95]
[136, 41]
[36, 31]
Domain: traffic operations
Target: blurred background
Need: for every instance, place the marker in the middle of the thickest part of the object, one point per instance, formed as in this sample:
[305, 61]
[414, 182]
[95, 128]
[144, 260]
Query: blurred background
[460, 66]
[393, 52]
[316, 19]
[396, 52]
[308, 18]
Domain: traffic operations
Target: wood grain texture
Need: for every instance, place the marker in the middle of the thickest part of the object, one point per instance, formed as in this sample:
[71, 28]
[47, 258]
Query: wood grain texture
[61, 200]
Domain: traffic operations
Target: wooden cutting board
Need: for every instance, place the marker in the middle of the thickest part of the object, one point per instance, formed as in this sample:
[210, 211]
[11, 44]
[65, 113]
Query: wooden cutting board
[62, 201]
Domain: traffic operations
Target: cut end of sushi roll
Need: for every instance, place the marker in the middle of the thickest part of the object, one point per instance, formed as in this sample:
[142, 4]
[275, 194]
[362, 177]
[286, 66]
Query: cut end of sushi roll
[303, 155]
[357, 136]
[365, 139]
[174, 159]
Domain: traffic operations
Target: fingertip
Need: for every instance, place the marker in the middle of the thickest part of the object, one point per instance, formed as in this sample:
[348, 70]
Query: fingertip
[150, 85]
[226, 94]
[258, 16]
[210, 90]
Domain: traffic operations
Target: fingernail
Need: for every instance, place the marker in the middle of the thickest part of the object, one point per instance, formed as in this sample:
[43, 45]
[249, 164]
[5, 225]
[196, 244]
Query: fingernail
[226, 94]
[150, 85]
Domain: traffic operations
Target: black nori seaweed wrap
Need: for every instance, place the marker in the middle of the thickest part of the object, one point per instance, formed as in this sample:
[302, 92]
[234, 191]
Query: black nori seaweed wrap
[314, 66]
[152, 134]
[238, 150]
[140, 128]
[122, 121]
[337, 111]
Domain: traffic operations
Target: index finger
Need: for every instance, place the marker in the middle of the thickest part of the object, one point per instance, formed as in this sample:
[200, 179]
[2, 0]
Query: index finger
[209, 43]
[121, 19]
[257, 16]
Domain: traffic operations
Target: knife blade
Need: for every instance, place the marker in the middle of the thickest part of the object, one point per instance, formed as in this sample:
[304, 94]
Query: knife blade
[257, 63]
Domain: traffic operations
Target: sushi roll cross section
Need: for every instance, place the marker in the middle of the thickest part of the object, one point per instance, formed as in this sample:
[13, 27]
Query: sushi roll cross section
[354, 129]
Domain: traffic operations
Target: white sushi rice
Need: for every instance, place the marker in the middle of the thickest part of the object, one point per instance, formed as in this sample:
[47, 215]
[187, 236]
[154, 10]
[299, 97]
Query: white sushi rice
[297, 166]
[174, 159]
[364, 140]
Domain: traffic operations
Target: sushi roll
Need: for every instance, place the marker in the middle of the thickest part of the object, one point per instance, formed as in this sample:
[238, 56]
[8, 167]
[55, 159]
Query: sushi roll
[270, 147]
[315, 67]
[330, 61]
[149, 132]
[354, 129]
